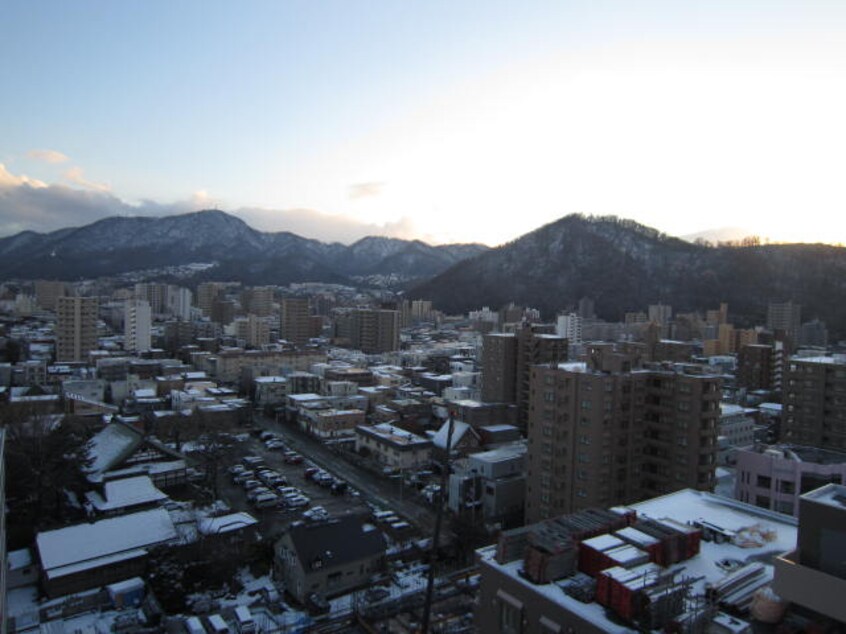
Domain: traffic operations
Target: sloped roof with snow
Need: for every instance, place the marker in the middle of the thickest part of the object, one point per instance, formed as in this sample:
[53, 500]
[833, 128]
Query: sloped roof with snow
[460, 429]
[126, 492]
[84, 546]
[112, 445]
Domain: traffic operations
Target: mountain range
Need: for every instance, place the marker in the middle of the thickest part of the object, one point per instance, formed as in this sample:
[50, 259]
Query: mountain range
[240, 253]
[622, 265]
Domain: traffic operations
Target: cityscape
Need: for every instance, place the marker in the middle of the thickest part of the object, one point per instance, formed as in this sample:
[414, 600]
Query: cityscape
[422, 318]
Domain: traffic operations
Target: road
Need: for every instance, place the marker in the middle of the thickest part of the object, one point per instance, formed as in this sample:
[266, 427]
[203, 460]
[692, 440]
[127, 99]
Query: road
[382, 492]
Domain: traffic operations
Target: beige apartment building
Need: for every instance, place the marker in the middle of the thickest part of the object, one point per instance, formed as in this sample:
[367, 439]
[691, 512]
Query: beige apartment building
[601, 433]
[76, 327]
[295, 320]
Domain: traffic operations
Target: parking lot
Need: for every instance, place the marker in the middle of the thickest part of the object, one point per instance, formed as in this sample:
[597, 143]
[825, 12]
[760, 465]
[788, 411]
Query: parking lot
[292, 471]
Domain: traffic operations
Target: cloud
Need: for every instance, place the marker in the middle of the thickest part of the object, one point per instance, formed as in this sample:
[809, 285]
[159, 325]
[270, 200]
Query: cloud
[76, 175]
[365, 190]
[7, 179]
[28, 204]
[48, 156]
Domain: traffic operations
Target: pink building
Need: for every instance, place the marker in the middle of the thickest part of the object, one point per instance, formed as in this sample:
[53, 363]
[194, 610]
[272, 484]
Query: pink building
[774, 476]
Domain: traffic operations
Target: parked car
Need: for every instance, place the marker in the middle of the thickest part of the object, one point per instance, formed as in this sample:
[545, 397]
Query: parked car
[251, 484]
[339, 487]
[267, 435]
[252, 462]
[297, 501]
[266, 500]
[275, 445]
[243, 476]
[310, 472]
[316, 513]
[293, 458]
[253, 493]
[236, 468]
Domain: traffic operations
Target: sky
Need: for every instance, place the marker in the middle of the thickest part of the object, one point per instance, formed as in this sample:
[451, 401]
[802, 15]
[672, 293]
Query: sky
[448, 121]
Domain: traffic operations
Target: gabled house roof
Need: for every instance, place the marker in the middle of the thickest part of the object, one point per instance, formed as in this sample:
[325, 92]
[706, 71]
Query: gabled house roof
[336, 542]
[459, 431]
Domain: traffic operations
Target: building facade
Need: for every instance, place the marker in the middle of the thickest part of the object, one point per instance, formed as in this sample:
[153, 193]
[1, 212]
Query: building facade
[601, 434]
[76, 327]
[814, 394]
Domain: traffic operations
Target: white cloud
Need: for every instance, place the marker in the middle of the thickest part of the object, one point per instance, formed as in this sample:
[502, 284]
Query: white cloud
[48, 156]
[77, 176]
[7, 179]
[28, 204]
[365, 190]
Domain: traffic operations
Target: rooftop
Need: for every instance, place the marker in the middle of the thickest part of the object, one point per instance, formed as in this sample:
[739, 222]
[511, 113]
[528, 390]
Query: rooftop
[83, 546]
[747, 535]
[830, 495]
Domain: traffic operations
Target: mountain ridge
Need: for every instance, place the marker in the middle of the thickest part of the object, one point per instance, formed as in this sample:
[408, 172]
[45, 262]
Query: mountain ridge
[121, 244]
[624, 266]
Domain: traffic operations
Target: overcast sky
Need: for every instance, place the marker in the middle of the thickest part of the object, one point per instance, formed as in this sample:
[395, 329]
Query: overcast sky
[444, 120]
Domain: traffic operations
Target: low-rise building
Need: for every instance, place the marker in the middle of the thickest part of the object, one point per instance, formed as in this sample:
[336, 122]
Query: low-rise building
[91, 555]
[330, 557]
[331, 423]
[776, 476]
[681, 560]
[491, 485]
[393, 447]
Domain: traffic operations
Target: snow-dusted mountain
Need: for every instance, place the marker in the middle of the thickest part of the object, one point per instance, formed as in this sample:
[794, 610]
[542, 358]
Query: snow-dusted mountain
[122, 244]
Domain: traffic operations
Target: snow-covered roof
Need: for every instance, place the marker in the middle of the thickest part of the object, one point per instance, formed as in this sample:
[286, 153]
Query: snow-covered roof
[770, 534]
[125, 492]
[83, 546]
[460, 428]
[226, 523]
[114, 443]
[18, 559]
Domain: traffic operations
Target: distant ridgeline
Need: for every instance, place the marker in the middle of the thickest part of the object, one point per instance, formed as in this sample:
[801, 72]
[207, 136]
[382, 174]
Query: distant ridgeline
[625, 266]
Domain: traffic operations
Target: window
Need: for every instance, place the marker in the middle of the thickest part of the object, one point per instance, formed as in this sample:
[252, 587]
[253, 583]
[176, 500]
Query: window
[510, 614]
[763, 482]
[785, 486]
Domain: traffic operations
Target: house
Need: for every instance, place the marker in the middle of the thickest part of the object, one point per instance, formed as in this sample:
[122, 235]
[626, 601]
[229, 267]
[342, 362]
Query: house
[119, 450]
[392, 446]
[85, 556]
[465, 439]
[330, 557]
[230, 532]
[115, 497]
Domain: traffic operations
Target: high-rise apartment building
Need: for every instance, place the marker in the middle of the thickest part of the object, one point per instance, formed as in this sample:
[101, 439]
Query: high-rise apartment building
[258, 300]
[154, 294]
[785, 317]
[569, 326]
[47, 293]
[295, 320]
[756, 367]
[76, 327]
[254, 330]
[507, 360]
[207, 294]
[499, 368]
[601, 434]
[137, 322]
[178, 302]
[370, 330]
[814, 395]
[660, 314]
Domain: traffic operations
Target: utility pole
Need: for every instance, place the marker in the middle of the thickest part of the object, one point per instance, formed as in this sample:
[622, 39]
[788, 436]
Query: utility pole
[433, 550]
